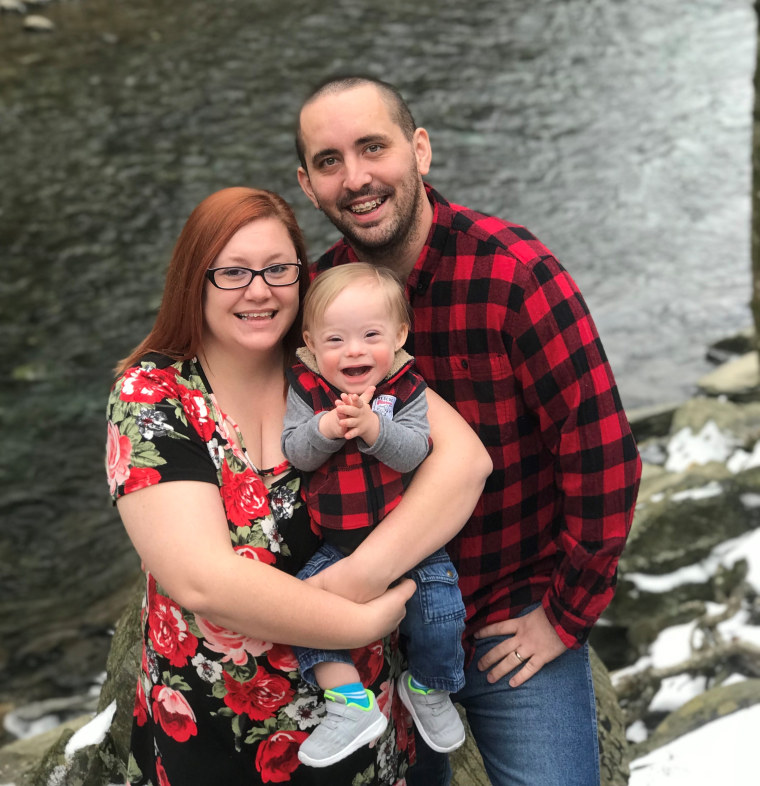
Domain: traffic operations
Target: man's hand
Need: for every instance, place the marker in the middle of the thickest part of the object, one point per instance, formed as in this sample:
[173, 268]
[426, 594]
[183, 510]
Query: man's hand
[534, 643]
[356, 417]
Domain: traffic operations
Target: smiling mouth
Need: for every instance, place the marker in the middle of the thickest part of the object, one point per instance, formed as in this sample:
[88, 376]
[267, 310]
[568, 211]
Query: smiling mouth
[250, 316]
[368, 206]
[356, 371]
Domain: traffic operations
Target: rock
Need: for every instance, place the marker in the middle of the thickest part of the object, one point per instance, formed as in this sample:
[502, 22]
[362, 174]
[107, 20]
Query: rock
[122, 670]
[728, 348]
[659, 545]
[703, 709]
[38, 24]
[738, 379]
[19, 757]
[12, 6]
[651, 421]
[614, 756]
[741, 421]
[21, 721]
[39, 760]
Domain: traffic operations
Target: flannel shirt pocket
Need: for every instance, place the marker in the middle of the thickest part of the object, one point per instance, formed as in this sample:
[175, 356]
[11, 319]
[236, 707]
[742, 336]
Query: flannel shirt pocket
[484, 389]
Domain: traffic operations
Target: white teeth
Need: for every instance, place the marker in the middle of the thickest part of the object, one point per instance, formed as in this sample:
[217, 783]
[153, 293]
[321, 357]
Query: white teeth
[365, 207]
[256, 315]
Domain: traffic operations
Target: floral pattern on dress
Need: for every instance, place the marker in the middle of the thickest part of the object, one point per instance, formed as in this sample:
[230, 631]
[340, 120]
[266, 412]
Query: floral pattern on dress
[207, 697]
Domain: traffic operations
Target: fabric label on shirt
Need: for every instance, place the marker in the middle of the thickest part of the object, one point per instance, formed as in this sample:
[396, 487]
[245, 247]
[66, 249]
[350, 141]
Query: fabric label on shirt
[383, 406]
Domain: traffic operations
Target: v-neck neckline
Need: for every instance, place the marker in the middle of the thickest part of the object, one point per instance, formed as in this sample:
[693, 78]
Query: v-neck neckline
[238, 443]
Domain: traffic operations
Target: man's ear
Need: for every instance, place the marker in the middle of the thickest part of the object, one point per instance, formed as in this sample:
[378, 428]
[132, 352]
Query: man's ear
[305, 183]
[403, 332]
[422, 150]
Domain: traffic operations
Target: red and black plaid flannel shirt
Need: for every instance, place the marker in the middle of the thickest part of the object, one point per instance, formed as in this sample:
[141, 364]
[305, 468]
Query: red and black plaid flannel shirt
[352, 490]
[502, 333]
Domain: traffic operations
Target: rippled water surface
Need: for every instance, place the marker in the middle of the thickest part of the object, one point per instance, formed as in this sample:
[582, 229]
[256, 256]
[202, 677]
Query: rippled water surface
[618, 132]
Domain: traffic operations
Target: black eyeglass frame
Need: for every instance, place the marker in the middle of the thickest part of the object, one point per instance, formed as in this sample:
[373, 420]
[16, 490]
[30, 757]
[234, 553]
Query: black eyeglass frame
[211, 272]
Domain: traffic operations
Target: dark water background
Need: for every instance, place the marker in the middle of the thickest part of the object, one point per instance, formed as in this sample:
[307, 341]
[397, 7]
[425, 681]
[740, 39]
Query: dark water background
[619, 132]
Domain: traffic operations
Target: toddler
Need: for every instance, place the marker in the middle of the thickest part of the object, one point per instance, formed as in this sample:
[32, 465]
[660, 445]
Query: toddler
[356, 423]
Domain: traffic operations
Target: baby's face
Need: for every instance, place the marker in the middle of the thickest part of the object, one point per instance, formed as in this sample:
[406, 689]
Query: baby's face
[357, 338]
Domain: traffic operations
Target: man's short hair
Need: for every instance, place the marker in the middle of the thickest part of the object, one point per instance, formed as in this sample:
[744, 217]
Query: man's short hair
[399, 111]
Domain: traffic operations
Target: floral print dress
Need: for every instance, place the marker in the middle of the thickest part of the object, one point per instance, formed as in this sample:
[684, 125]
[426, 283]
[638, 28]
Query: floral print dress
[214, 706]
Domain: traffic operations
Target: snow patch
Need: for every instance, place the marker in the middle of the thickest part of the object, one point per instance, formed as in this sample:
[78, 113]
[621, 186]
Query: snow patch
[92, 733]
[710, 444]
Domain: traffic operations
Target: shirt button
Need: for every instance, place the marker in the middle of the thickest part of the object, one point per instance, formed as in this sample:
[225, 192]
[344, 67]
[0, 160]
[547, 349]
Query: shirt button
[465, 364]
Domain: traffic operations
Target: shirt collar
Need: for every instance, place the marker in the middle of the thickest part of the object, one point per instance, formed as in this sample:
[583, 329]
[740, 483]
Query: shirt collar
[425, 267]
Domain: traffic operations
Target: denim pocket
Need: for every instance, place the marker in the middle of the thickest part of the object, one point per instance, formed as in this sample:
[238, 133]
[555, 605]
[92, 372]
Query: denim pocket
[438, 590]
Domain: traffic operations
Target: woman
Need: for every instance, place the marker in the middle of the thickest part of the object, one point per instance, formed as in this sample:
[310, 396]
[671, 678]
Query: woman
[200, 403]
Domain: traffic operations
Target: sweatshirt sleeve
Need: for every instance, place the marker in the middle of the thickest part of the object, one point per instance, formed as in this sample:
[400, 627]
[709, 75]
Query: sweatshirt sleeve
[304, 446]
[403, 442]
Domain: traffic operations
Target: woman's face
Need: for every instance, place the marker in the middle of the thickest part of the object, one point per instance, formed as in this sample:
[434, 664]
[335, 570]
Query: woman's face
[255, 317]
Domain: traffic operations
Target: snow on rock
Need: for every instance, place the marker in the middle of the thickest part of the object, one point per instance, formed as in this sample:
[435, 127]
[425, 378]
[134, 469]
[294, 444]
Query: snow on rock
[721, 752]
[725, 554]
[92, 733]
[710, 444]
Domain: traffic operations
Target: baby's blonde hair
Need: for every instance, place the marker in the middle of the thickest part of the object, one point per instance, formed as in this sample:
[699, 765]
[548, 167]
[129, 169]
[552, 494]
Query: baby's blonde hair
[328, 285]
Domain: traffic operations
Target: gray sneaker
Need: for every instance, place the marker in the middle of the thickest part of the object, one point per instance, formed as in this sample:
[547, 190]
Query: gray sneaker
[434, 714]
[344, 729]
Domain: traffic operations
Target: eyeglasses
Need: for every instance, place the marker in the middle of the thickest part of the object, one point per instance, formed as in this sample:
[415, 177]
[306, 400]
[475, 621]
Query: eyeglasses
[238, 277]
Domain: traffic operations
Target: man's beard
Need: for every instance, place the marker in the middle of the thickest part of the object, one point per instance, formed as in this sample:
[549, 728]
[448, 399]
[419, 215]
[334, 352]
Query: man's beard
[399, 231]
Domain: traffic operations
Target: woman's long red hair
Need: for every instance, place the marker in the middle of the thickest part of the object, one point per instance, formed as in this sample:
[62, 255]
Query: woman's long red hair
[178, 329]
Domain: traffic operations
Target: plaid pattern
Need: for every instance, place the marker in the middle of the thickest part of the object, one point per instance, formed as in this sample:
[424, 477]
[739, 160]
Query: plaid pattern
[502, 333]
[352, 490]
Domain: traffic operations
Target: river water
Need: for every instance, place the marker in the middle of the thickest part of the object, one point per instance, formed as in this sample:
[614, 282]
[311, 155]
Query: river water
[618, 132]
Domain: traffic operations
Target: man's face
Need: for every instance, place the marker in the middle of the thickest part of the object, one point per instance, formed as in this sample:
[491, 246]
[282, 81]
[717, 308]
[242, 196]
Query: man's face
[362, 172]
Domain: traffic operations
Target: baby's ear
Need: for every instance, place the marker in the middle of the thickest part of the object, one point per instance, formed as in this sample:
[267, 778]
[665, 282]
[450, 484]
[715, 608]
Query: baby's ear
[309, 342]
[403, 332]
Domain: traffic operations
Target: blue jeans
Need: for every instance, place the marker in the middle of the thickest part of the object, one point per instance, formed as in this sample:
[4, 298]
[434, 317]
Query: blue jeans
[540, 734]
[433, 624]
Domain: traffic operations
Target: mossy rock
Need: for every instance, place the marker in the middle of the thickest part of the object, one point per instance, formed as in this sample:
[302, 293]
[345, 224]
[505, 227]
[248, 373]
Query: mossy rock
[701, 710]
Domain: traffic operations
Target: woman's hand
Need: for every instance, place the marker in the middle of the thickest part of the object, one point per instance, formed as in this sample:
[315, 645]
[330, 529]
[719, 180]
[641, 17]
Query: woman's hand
[386, 611]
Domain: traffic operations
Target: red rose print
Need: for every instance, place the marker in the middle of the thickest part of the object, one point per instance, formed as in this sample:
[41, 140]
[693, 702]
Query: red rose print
[149, 385]
[197, 412]
[161, 773]
[141, 705]
[385, 697]
[234, 646]
[402, 720]
[369, 661]
[173, 714]
[281, 657]
[169, 632]
[260, 697]
[277, 756]
[256, 553]
[140, 477]
[118, 453]
[244, 496]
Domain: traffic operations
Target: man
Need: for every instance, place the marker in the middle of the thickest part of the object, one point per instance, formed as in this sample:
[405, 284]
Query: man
[502, 332]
